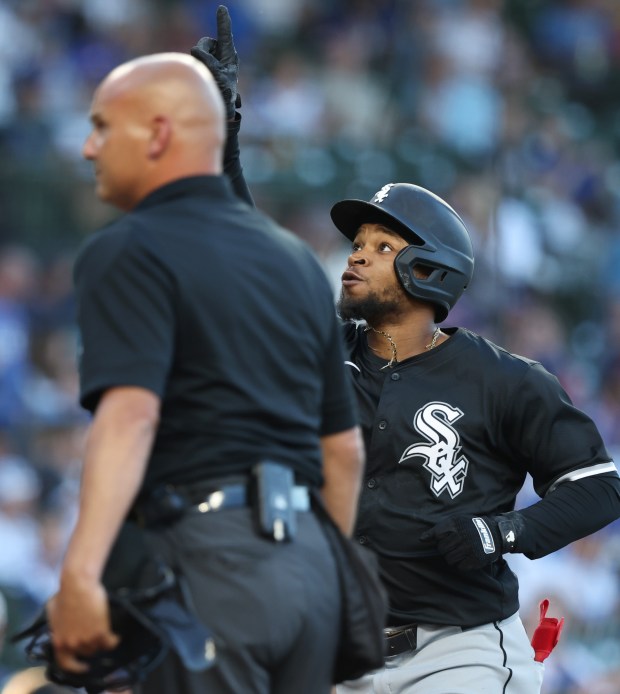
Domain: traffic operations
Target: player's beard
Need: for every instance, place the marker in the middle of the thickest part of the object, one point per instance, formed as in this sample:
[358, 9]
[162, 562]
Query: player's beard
[374, 308]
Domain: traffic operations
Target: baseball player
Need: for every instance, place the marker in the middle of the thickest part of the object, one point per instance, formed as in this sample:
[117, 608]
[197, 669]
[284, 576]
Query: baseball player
[452, 425]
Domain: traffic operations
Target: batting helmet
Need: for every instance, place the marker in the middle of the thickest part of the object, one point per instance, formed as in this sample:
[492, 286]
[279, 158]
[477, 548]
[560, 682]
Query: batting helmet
[438, 238]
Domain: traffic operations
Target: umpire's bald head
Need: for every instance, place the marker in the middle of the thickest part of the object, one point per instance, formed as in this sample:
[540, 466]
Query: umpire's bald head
[154, 119]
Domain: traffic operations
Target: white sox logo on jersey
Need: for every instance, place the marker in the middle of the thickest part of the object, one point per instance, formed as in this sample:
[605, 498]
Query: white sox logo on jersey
[441, 455]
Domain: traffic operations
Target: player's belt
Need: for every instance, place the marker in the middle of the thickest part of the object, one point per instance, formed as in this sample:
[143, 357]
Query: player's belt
[401, 640]
[405, 638]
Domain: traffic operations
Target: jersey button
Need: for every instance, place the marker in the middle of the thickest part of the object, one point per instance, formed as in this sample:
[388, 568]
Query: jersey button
[395, 377]
[362, 539]
[382, 424]
[372, 483]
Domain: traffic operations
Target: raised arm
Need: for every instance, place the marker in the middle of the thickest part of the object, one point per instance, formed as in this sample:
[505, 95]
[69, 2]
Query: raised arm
[220, 57]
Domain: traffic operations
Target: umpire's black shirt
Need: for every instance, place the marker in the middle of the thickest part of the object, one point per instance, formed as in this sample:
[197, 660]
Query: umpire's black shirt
[228, 318]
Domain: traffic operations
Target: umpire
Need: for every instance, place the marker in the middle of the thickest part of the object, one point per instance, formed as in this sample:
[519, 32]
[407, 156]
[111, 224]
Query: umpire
[213, 365]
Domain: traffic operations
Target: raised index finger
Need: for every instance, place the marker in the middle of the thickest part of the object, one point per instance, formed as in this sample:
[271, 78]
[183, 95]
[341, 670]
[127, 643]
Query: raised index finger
[227, 53]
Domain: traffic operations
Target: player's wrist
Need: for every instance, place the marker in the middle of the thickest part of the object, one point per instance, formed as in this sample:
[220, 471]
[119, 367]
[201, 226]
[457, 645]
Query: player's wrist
[510, 528]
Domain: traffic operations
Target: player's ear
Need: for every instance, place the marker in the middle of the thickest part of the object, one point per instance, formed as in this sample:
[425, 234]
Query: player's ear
[161, 134]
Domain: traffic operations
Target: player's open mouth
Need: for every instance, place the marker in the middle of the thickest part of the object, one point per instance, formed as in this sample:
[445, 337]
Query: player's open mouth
[349, 278]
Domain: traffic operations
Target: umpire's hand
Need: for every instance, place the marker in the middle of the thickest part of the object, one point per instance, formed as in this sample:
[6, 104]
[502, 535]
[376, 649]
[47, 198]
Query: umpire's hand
[467, 543]
[220, 57]
[79, 620]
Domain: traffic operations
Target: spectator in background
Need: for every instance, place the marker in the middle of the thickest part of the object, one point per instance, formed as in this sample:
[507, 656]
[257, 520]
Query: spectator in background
[17, 282]
[20, 539]
[290, 103]
[357, 103]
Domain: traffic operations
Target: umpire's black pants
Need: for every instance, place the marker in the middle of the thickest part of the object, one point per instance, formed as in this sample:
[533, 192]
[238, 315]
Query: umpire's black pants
[274, 608]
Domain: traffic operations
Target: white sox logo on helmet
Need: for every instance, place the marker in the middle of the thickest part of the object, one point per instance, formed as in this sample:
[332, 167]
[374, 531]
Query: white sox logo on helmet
[382, 194]
[441, 456]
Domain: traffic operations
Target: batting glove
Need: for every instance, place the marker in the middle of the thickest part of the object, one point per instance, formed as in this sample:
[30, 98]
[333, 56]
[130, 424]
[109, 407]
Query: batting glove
[471, 543]
[220, 57]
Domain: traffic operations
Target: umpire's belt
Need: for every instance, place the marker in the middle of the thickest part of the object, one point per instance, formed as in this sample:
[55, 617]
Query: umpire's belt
[168, 503]
[236, 496]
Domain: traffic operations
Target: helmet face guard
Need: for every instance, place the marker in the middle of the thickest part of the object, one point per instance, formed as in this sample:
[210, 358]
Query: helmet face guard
[438, 238]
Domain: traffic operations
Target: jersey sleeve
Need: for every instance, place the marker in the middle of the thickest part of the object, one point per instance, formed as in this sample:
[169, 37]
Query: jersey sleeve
[574, 509]
[126, 317]
[232, 162]
[550, 434]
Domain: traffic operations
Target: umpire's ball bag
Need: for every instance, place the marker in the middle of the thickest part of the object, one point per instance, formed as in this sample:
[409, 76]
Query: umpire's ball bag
[364, 603]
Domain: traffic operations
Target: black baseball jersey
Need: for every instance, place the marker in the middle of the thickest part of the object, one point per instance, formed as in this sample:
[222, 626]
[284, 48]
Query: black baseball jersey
[228, 318]
[453, 431]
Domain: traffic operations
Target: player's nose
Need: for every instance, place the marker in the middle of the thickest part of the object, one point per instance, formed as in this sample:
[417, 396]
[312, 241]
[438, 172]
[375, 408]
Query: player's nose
[356, 258]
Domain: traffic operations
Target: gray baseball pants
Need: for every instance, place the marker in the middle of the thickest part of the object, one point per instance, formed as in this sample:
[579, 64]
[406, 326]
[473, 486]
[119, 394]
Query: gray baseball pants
[493, 658]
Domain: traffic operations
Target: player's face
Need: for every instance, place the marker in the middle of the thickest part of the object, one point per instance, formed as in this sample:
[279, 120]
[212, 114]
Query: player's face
[370, 288]
[116, 148]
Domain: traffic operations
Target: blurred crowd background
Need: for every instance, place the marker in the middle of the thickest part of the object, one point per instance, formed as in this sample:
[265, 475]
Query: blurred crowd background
[509, 110]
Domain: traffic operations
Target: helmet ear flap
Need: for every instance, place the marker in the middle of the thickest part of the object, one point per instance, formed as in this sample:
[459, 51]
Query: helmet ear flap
[441, 286]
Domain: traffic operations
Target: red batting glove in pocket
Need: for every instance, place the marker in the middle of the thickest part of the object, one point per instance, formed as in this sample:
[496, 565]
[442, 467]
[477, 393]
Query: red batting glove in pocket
[546, 634]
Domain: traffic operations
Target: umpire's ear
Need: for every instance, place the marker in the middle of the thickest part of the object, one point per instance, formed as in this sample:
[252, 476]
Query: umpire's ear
[161, 133]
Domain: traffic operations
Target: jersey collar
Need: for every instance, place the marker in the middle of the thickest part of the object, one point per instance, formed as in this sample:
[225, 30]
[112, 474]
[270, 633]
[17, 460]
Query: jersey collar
[204, 186]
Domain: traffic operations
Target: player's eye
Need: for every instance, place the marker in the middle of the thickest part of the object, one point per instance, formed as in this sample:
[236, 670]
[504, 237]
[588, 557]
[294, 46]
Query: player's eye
[356, 247]
[385, 247]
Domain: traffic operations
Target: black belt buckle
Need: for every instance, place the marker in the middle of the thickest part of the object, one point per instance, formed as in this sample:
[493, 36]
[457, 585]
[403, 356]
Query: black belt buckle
[401, 641]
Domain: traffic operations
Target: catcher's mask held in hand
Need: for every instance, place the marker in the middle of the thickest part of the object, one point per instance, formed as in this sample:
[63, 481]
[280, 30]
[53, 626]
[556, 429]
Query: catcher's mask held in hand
[150, 621]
